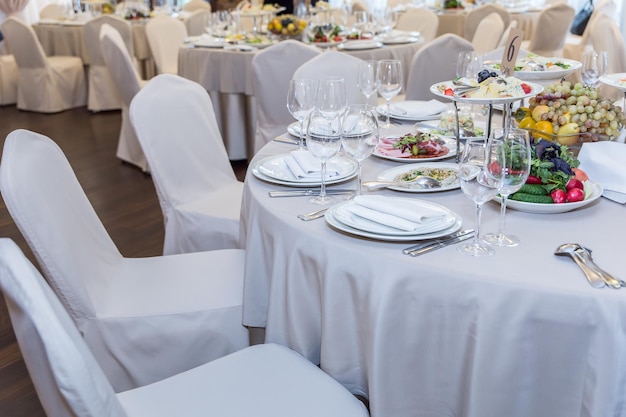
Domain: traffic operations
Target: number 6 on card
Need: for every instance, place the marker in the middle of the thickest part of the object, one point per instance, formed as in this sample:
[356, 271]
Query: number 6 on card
[511, 50]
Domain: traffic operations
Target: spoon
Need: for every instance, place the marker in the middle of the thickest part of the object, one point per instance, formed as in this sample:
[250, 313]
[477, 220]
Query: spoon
[583, 259]
[421, 180]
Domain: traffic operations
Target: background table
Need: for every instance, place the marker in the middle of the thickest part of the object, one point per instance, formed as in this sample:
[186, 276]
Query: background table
[518, 334]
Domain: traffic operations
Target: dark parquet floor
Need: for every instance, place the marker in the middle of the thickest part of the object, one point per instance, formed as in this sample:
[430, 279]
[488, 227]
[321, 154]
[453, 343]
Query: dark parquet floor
[122, 195]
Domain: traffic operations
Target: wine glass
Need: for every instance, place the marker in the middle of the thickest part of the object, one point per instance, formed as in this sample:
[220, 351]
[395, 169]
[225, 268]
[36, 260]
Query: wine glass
[359, 136]
[515, 171]
[323, 141]
[366, 79]
[389, 76]
[594, 66]
[301, 102]
[468, 64]
[328, 26]
[331, 95]
[360, 22]
[480, 178]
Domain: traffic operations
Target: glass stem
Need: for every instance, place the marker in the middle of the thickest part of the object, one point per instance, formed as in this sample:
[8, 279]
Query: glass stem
[503, 214]
[323, 187]
[301, 134]
[479, 210]
[359, 182]
[388, 115]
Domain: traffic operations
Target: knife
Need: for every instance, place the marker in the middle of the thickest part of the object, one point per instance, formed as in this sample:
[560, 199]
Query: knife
[410, 249]
[439, 245]
[300, 193]
[284, 139]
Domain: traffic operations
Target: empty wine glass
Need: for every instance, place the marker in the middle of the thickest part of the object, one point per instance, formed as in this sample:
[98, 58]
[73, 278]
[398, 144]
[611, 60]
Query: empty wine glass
[480, 177]
[323, 141]
[366, 79]
[331, 95]
[515, 171]
[389, 75]
[469, 64]
[301, 102]
[360, 22]
[594, 66]
[359, 136]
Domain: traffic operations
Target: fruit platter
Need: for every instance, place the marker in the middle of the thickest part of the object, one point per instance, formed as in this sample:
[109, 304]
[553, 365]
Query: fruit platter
[537, 68]
[286, 26]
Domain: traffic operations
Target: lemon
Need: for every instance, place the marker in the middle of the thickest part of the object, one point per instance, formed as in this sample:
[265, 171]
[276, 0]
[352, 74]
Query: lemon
[543, 130]
[527, 123]
[538, 111]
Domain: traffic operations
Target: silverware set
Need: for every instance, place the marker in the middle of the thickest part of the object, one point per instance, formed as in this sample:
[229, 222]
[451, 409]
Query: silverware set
[596, 276]
[434, 244]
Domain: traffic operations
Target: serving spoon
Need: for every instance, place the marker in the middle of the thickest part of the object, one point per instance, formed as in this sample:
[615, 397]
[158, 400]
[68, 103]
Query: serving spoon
[596, 276]
[421, 180]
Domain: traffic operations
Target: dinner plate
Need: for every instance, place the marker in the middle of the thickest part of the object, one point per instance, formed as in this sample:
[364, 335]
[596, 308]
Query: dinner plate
[391, 174]
[439, 88]
[540, 75]
[382, 110]
[358, 45]
[615, 80]
[450, 143]
[596, 192]
[396, 37]
[274, 169]
[294, 130]
[325, 44]
[208, 43]
[334, 222]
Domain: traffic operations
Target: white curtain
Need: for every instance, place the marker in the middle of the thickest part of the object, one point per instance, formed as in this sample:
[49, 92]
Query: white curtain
[26, 10]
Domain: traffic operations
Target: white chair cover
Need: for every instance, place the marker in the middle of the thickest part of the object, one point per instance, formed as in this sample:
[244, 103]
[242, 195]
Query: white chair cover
[52, 11]
[574, 44]
[551, 31]
[144, 318]
[334, 63]
[197, 188]
[507, 31]
[421, 20]
[194, 5]
[103, 93]
[271, 74]
[128, 82]
[196, 21]
[488, 33]
[606, 36]
[263, 380]
[166, 34]
[8, 80]
[475, 16]
[45, 84]
[433, 63]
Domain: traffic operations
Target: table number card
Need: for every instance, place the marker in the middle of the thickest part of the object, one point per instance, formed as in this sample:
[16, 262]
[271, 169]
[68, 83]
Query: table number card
[511, 50]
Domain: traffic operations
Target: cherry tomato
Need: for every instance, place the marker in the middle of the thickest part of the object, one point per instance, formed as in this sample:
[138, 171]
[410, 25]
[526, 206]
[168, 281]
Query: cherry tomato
[575, 194]
[558, 196]
[448, 92]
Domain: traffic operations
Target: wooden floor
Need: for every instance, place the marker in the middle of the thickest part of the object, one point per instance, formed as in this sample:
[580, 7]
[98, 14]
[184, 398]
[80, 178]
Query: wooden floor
[122, 195]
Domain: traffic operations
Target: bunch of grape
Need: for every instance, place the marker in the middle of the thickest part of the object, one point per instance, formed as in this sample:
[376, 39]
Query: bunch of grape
[582, 105]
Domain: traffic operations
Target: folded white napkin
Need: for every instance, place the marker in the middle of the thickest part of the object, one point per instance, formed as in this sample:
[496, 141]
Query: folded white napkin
[604, 163]
[303, 164]
[417, 108]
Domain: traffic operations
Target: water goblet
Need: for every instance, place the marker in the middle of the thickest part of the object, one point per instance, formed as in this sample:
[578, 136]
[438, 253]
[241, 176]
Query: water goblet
[480, 178]
[515, 171]
[301, 102]
[331, 95]
[389, 76]
[594, 66]
[323, 141]
[366, 79]
[359, 136]
[361, 20]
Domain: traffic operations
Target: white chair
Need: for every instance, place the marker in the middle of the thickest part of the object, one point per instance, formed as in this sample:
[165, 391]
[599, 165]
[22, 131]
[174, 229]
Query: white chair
[488, 33]
[475, 16]
[8, 80]
[433, 63]
[264, 380]
[103, 93]
[606, 36]
[144, 318]
[45, 84]
[53, 11]
[421, 20]
[551, 31]
[194, 5]
[505, 35]
[271, 74]
[196, 22]
[199, 194]
[166, 34]
[574, 44]
[128, 83]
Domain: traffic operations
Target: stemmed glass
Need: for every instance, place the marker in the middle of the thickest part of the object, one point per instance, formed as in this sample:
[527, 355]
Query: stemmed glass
[366, 79]
[389, 76]
[331, 95]
[515, 170]
[301, 102]
[594, 66]
[480, 175]
[360, 22]
[359, 136]
[323, 141]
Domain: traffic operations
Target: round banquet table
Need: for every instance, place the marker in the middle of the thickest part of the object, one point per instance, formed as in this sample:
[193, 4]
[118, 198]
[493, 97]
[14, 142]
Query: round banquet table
[517, 334]
[227, 76]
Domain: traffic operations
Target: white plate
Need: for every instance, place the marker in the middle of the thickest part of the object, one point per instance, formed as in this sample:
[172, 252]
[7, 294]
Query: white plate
[274, 169]
[325, 44]
[358, 45]
[294, 130]
[542, 75]
[436, 130]
[332, 220]
[391, 174]
[382, 111]
[535, 89]
[555, 208]
[450, 143]
[615, 80]
[208, 43]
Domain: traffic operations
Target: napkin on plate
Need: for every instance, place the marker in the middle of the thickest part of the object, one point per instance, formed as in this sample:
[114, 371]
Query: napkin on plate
[604, 163]
[417, 108]
[303, 164]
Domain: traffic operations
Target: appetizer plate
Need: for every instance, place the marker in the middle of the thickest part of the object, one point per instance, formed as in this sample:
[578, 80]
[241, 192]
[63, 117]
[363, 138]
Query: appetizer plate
[596, 192]
[450, 143]
[438, 88]
[451, 183]
[555, 74]
[274, 169]
[615, 80]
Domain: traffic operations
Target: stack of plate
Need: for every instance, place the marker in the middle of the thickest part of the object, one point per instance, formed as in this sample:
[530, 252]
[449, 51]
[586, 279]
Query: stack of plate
[274, 169]
[414, 110]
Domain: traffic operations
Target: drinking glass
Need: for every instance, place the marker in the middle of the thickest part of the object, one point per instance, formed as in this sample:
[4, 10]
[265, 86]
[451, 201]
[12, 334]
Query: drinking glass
[389, 76]
[366, 79]
[594, 66]
[323, 141]
[331, 95]
[360, 22]
[480, 178]
[468, 64]
[359, 136]
[515, 170]
[301, 102]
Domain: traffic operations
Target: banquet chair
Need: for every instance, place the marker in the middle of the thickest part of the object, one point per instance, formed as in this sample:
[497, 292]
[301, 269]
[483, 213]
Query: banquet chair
[475, 16]
[8, 80]
[271, 74]
[199, 193]
[359, 6]
[574, 44]
[196, 22]
[433, 63]
[488, 33]
[505, 35]
[550, 31]
[144, 319]
[194, 5]
[46, 84]
[53, 11]
[128, 83]
[103, 93]
[166, 34]
[421, 20]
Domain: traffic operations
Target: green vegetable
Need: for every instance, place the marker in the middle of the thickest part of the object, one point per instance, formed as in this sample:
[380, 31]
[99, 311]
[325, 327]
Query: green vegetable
[534, 189]
[531, 198]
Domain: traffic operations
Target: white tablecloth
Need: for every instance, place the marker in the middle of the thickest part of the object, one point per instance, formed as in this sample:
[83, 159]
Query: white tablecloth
[517, 334]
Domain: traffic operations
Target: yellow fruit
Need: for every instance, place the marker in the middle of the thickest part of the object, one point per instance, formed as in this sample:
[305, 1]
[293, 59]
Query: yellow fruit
[538, 111]
[278, 27]
[291, 27]
[543, 130]
[568, 134]
[522, 113]
[527, 123]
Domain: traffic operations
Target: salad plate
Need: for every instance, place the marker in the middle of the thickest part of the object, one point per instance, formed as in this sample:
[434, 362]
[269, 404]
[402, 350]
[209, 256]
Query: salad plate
[439, 89]
[615, 80]
[447, 142]
[274, 169]
[595, 192]
[446, 172]
[557, 68]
